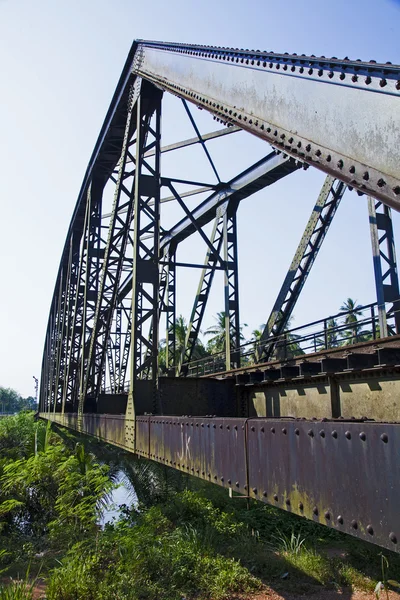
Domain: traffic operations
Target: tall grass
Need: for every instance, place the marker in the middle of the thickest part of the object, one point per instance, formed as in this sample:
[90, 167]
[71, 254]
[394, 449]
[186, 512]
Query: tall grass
[17, 590]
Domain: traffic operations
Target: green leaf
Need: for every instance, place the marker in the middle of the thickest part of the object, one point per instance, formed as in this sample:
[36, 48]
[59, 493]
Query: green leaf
[8, 505]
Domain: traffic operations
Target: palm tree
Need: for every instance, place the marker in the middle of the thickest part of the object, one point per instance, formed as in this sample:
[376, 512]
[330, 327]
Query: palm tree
[288, 344]
[181, 328]
[217, 343]
[353, 333]
[180, 333]
[256, 338]
[351, 305]
[331, 336]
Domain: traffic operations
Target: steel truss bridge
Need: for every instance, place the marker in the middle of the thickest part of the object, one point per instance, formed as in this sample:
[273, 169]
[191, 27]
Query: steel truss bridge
[314, 431]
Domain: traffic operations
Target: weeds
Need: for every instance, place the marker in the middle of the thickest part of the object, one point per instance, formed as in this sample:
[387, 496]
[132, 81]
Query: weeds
[18, 589]
[194, 543]
[175, 549]
[292, 545]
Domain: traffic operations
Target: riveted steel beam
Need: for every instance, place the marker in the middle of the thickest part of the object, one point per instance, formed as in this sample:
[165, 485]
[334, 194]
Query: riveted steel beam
[145, 277]
[265, 172]
[231, 289]
[277, 97]
[93, 366]
[341, 474]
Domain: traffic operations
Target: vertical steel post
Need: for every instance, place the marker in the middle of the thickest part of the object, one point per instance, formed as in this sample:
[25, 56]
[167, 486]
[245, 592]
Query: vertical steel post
[385, 264]
[146, 254]
[231, 288]
[117, 347]
[114, 251]
[73, 352]
[85, 333]
[59, 339]
[171, 313]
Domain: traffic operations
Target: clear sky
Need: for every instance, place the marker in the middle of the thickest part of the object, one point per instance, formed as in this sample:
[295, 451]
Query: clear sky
[60, 61]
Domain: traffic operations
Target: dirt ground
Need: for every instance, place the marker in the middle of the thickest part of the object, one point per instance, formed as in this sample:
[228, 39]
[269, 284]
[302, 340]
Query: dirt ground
[322, 594]
[318, 593]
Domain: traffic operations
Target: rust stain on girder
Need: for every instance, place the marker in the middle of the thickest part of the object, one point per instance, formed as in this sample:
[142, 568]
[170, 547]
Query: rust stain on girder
[342, 474]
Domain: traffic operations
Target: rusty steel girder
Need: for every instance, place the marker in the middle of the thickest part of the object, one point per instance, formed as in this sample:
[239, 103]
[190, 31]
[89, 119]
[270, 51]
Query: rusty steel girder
[341, 474]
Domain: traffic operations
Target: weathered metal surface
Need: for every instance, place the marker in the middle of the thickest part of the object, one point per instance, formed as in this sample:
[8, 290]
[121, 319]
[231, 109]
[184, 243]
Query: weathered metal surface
[109, 428]
[385, 265]
[311, 241]
[210, 448]
[341, 116]
[142, 436]
[345, 475]
[342, 474]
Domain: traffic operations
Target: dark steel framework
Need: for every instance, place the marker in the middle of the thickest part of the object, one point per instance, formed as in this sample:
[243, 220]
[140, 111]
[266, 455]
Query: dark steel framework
[385, 265]
[117, 284]
[314, 234]
[108, 300]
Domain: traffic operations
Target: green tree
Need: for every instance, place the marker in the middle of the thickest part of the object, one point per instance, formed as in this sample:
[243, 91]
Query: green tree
[353, 332]
[181, 328]
[216, 343]
[331, 338]
[288, 345]
[332, 333]
[11, 401]
[49, 495]
[257, 346]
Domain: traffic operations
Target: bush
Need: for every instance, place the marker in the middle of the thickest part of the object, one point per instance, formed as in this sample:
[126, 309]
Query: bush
[151, 556]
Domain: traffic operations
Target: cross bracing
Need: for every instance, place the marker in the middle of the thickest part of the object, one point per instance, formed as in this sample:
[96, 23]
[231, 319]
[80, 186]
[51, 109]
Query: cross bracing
[115, 296]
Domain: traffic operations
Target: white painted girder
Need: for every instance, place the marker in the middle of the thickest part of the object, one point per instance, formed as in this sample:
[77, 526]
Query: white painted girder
[340, 116]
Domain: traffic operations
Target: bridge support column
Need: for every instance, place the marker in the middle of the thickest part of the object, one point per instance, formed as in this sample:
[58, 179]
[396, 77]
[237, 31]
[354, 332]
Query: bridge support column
[146, 251]
[385, 265]
[231, 285]
[170, 308]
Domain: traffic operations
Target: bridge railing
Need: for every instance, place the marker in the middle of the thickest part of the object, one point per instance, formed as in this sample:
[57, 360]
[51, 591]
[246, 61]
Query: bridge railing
[340, 330]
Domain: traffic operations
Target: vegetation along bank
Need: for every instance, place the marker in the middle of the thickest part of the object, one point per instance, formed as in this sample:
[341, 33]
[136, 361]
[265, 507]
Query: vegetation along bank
[174, 538]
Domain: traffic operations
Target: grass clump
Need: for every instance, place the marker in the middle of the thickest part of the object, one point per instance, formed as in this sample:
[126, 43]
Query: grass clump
[20, 589]
[313, 565]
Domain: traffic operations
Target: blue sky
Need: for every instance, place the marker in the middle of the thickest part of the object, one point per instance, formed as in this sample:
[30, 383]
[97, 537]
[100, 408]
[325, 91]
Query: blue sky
[59, 64]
